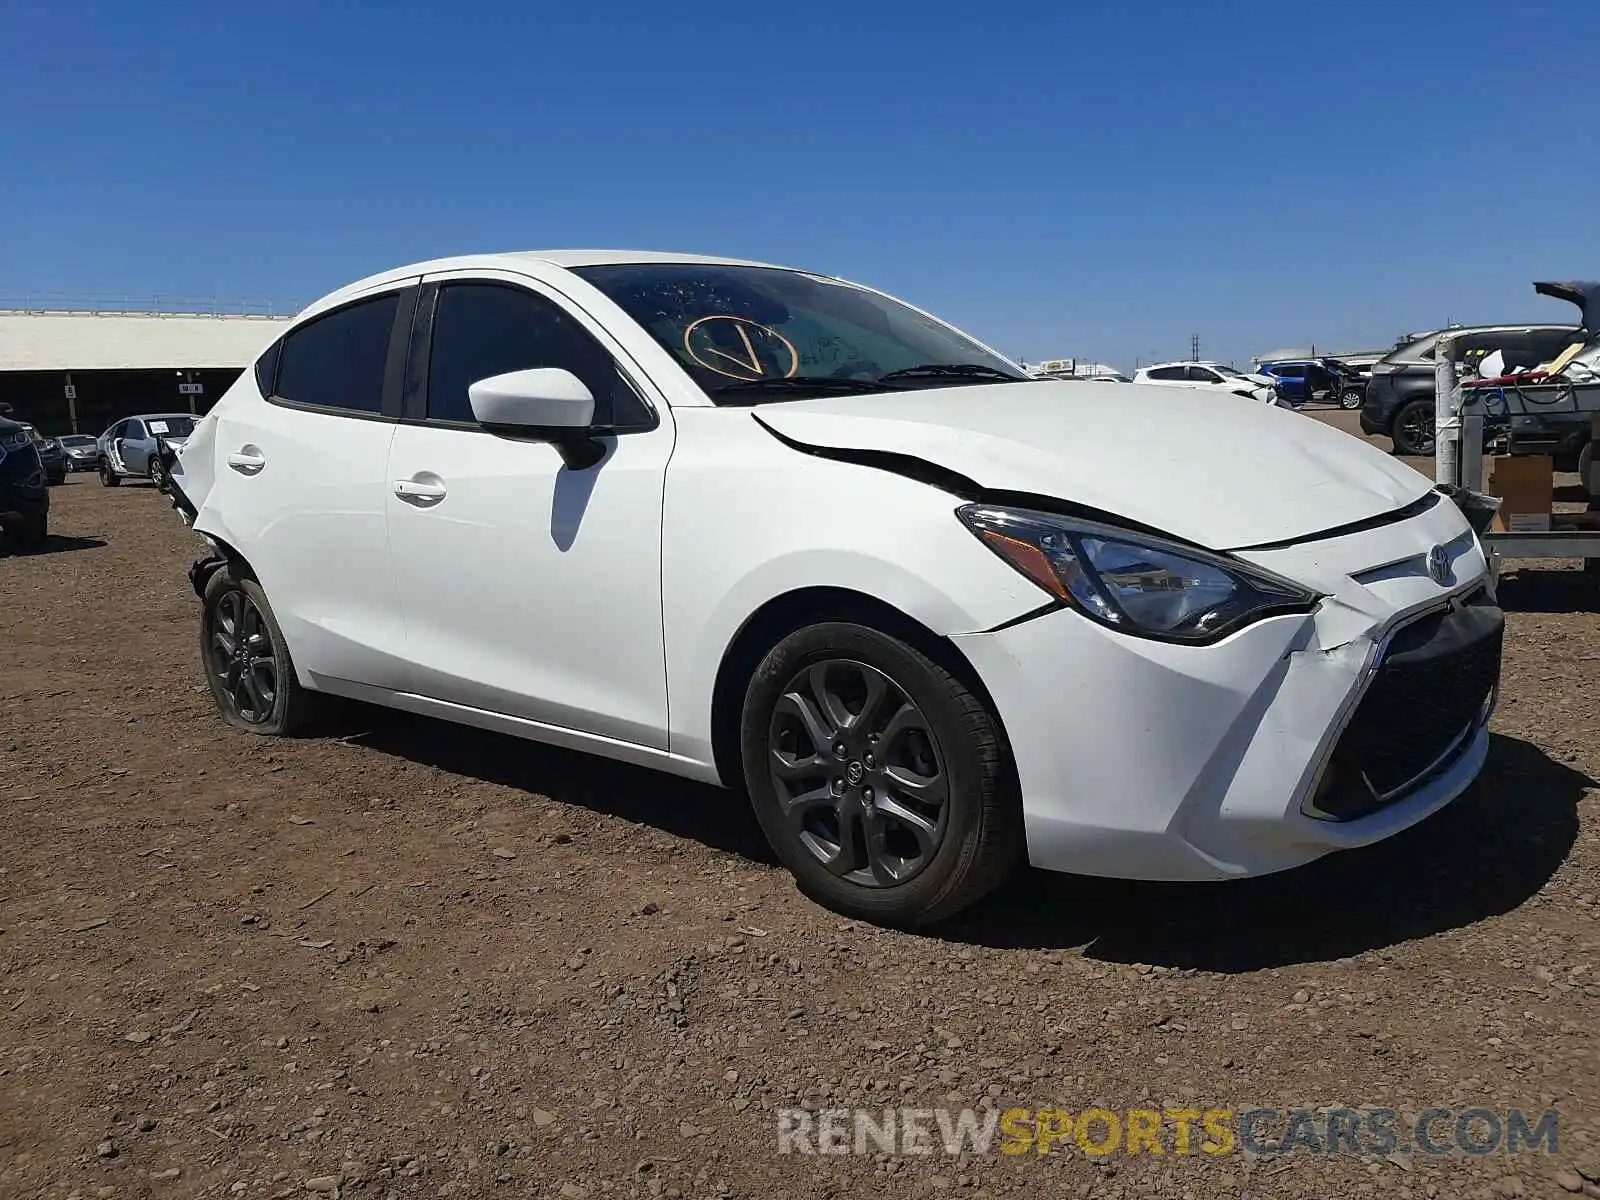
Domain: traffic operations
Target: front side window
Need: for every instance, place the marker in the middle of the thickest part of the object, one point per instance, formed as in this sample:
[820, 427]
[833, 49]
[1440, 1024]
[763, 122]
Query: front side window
[1165, 373]
[1202, 375]
[747, 333]
[486, 329]
[337, 360]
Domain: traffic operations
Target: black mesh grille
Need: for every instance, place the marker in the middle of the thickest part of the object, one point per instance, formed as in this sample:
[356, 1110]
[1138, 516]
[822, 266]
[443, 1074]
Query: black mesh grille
[1434, 679]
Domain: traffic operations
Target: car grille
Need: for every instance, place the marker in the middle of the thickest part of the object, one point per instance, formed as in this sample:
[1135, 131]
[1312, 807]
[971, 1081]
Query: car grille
[1437, 677]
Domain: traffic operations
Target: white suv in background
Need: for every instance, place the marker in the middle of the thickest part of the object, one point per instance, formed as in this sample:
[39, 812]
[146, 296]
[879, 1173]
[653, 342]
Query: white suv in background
[1209, 376]
[773, 530]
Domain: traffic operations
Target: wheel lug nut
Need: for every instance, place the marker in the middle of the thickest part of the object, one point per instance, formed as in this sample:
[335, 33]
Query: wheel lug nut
[837, 787]
[839, 749]
[866, 794]
[870, 761]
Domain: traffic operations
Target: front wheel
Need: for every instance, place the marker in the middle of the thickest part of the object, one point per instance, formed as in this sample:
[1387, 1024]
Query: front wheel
[881, 781]
[247, 662]
[108, 476]
[1413, 432]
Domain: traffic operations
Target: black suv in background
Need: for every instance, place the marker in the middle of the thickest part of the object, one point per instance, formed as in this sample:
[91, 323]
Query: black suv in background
[1400, 396]
[24, 494]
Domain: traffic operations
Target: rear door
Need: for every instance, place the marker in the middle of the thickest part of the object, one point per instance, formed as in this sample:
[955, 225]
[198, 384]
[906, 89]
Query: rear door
[301, 481]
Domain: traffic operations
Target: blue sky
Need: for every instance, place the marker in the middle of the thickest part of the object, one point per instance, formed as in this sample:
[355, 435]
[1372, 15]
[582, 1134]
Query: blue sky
[1059, 178]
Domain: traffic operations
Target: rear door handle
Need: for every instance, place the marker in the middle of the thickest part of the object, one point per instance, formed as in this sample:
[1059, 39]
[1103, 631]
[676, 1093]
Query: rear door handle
[419, 491]
[247, 460]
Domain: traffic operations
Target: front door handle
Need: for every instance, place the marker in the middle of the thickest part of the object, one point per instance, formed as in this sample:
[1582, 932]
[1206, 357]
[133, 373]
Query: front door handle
[247, 460]
[420, 491]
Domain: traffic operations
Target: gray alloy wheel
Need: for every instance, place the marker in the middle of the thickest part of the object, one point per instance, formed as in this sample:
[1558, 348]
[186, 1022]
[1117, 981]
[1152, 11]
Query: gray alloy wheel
[158, 474]
[242, 659]
[247, 663]
[881, 779]
[1351, 398]
[858, 773]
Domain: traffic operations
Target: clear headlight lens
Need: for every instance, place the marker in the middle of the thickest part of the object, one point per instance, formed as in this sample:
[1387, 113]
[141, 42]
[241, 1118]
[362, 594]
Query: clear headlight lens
[1133, 583]
[14, 441]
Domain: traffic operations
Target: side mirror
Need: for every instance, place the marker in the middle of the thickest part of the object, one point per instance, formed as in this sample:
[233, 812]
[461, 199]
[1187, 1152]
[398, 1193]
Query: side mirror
[548, 403]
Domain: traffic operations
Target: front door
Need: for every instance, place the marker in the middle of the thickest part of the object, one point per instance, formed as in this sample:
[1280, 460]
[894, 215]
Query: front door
[529, 588]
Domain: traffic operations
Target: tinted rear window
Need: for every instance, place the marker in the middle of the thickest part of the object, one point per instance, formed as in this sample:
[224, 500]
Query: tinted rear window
[337, 361]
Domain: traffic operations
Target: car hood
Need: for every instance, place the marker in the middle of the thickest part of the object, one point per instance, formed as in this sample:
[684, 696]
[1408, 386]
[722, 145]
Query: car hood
[1225, 472]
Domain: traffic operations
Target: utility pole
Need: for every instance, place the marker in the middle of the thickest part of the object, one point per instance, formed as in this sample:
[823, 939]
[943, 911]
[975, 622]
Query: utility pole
[1194, 347]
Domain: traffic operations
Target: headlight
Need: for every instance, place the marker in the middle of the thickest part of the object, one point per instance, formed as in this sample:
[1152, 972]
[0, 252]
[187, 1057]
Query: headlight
[1133, 583]
[14, 441]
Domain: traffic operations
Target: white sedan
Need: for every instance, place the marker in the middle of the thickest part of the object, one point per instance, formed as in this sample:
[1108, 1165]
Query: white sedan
[1210, 377]
[776, 531]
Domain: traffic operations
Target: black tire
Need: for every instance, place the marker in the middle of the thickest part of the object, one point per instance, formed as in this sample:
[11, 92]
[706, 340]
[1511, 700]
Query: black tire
[289, 709]
[1351, 399]
[29, 533]
[158, 474]
[978, 822]
[1412, 431]
[108, 477]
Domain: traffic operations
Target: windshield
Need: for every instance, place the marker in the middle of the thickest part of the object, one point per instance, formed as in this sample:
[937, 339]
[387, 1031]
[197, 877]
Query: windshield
[1229, 372]
[170, 426]
[76, 439]
[743, 330]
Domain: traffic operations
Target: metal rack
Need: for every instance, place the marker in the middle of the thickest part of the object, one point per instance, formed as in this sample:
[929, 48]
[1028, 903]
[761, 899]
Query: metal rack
[1458, 448]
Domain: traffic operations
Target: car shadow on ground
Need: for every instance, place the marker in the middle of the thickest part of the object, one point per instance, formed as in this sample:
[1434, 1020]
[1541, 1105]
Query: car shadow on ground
[1484, 855]
[54, 544]
[715, 817]
[1550, 591]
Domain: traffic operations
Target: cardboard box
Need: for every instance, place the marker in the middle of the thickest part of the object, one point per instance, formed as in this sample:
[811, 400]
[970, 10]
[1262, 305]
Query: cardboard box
[1525, 484]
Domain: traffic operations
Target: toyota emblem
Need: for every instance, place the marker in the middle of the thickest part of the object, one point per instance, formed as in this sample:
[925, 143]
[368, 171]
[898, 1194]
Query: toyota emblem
[1439, 565]
[856, 772]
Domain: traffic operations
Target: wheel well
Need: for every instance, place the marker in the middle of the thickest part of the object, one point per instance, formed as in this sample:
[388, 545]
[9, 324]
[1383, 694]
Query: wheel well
[781, 616]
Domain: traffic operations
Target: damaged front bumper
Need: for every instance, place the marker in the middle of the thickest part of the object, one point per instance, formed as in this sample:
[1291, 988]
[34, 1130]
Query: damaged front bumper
[1297, 736]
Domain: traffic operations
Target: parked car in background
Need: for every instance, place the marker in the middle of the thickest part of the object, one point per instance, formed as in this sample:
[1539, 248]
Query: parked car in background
[129, 449]
[51, 457]
[1400, 397]
[1208, 376]
[24, 492]
[773, 530]
[82, 451]
[1300, 380]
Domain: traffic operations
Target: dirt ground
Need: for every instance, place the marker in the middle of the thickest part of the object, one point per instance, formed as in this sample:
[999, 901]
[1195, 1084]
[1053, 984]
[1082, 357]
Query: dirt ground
[415, 960]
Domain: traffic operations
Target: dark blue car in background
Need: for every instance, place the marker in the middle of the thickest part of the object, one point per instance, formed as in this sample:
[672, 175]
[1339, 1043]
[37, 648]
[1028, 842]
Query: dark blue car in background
[1301, 379]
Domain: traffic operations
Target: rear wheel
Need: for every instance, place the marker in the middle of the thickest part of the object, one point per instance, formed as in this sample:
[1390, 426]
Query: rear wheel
[1413, 430]
[880, 779]
[158, 474]
[247, 662]
[108, 477]
[1351, 398]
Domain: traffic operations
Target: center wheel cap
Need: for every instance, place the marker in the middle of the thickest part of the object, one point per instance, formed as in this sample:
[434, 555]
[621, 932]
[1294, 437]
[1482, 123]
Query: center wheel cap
[855, 773]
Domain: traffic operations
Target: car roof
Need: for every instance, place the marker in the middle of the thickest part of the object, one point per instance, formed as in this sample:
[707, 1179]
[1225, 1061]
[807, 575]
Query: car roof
[158, 416]
[521, 259]
[1428, 340]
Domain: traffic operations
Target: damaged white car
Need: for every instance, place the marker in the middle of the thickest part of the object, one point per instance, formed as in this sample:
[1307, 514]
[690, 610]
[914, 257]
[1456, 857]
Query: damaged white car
[773, 530]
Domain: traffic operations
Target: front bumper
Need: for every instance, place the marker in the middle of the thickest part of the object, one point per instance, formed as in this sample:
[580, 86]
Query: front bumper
[1144, 760]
